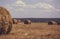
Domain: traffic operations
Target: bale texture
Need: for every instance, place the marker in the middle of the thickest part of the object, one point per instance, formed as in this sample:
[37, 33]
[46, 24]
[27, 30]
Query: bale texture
[5, 21]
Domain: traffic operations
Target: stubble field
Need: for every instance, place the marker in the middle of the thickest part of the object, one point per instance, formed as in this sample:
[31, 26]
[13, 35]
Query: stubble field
[33, 31]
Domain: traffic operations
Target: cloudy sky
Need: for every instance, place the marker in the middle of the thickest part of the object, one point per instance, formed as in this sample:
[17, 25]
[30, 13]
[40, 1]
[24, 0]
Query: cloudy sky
[32, 8]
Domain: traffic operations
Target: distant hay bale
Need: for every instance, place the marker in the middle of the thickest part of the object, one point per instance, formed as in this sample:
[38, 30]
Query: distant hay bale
[26, 21]
[52, 23]
[15, 21]
[19, 21]
[29, 21]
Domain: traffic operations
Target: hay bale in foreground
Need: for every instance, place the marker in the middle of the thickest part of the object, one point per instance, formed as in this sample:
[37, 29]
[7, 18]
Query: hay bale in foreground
[52, 23]
[5, 21]
[26, 21]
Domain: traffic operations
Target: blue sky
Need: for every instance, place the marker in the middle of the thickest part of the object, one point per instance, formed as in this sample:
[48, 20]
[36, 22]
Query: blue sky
[32, 8]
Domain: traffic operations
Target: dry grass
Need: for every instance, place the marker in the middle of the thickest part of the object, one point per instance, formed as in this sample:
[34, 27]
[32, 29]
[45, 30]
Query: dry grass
[33, 31]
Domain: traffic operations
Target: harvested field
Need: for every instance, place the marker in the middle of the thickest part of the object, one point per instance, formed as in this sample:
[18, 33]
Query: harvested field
[33, 31]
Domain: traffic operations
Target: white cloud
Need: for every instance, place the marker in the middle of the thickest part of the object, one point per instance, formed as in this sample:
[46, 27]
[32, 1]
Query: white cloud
[30, 6]
[44, 5]
[19, 3]
[16, 6]
[23, 4]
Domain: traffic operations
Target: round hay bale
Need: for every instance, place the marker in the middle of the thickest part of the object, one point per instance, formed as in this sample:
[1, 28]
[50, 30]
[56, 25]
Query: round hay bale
[15, 21]
[26, 21]
[52, 23]
[29, 21]
[5, 21]
[19, 21]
